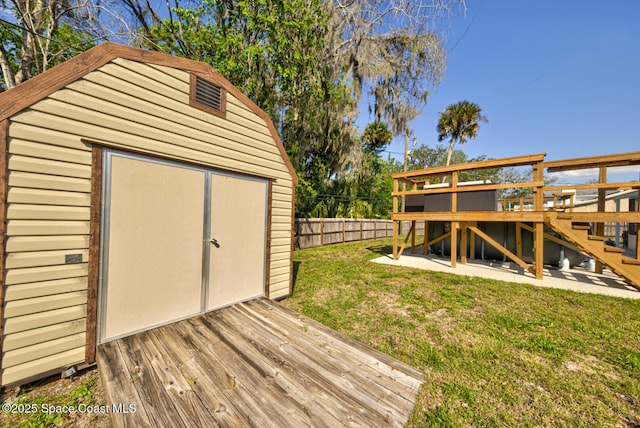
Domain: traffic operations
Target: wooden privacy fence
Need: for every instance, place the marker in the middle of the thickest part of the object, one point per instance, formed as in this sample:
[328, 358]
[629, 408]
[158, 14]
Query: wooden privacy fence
[316, 232]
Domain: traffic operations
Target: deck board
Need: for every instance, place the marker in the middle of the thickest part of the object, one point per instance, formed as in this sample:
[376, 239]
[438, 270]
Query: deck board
[254, 364]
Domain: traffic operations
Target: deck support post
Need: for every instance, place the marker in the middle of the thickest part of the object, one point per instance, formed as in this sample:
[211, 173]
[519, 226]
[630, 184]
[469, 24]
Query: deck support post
[463, 243]
[472, 244]
[395, 240]
[425, 246]
[454, 243]
[602, 199]
[538, 206]
[519, 239]
[413, 236]
[538, 236]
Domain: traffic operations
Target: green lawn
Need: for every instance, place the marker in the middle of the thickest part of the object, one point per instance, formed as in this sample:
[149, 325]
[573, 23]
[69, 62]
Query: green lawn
[494, 353]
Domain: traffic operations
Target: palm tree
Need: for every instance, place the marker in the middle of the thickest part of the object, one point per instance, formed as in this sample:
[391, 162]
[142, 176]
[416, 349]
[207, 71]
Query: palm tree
[458, 122]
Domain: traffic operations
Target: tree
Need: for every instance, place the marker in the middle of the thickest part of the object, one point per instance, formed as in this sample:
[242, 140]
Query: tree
[307, 63]
[46, 33]
[458, 122]
[429, 157]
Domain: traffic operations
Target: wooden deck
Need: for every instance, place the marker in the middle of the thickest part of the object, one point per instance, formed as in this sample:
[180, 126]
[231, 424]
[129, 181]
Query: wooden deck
[254, 364]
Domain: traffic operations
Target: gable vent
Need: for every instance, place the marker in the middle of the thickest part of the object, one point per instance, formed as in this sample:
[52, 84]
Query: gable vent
[209, 94]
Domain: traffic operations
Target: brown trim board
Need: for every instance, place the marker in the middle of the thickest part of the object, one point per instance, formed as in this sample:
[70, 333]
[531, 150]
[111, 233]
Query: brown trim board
[267, 270]
[94, 254]
[4, 189]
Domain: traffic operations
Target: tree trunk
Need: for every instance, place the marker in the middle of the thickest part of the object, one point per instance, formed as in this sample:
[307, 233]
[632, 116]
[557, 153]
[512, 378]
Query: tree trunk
[452, 144]
[7, 72]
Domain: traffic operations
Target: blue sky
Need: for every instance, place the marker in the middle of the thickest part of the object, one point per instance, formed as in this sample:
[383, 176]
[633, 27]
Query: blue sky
[558, 77]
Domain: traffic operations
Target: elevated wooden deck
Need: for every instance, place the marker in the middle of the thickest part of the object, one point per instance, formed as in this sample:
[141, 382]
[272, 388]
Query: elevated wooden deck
[254, 364]
[547, 212]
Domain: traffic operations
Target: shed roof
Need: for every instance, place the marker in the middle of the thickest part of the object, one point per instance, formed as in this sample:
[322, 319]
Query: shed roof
[33, 90]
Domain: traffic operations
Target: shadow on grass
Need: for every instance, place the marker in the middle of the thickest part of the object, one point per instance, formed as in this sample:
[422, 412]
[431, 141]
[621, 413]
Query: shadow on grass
[382, 249]
[296, 267]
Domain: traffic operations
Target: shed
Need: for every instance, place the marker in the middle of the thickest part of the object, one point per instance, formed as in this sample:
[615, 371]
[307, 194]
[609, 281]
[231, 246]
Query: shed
[136, 189]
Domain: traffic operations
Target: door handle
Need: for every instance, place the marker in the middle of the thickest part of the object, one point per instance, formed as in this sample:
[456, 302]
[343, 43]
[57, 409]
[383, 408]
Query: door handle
[214, 241]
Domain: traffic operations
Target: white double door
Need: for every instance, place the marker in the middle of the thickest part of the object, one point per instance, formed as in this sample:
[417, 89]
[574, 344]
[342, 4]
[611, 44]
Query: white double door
[177, 241]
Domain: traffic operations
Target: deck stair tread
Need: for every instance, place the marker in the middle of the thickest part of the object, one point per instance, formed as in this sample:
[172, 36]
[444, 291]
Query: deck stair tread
[596, 238]
[630, 261]
[580, 227]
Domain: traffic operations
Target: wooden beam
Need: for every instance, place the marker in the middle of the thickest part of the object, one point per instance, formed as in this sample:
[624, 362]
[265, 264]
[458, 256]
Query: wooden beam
[439, 238]
[454, 243]
[625, 185]
[463, 243]
[538, 236]
[413, 236]
[552, 238]
[425, 248]
[4, 191]
[406, 239]
[472, 244]
[621, 159]
[473, 188]
[602, 200]
[519, 239]
[489, 216]
[395, 240]
[94, 255]
[446, 170]
[500, 248]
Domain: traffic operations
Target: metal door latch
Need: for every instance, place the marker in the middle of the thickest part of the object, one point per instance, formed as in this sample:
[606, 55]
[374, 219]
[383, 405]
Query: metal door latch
[214, 241]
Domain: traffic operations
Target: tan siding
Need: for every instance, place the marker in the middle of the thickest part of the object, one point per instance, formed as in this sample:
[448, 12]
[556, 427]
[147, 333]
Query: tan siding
[279, 272]
[45, 273]
[43, 334]
[40, 319]
[45, 166]
[124, 136]
[278, 227]
[45, 288]
[44, 243]
[275, 264]
[159, 78]
[47, 212]
[37, 134]
[22, 307]
[38, 227]
[51, 182]
[47, 151]
[191, 123]
[41, 258]
[41, 350]
[280, 234]
[21, 195]
[279, 288]
[142, 125]
[282, 255]
[282, 204]
[119, 69]
[43, 365]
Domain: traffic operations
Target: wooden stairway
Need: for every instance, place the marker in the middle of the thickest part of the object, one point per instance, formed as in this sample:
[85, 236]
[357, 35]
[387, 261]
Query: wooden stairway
[594, 246]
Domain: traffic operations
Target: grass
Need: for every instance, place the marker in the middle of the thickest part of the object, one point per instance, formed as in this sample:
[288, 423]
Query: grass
[53, 405]
[494, 353]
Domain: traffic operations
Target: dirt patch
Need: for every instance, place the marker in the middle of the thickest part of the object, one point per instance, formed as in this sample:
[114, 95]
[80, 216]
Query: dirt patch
[44, 396]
